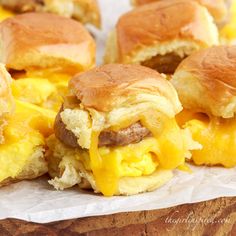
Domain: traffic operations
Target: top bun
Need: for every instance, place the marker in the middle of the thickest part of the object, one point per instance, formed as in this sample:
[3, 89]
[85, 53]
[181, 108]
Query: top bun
[172, 26]
[42, 40]
[206, 81]
[115, 85]
[217, 8]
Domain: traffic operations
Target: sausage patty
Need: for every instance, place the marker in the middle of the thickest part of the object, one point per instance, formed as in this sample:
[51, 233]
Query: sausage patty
[166, 64]
[133, 134]
[21, 6]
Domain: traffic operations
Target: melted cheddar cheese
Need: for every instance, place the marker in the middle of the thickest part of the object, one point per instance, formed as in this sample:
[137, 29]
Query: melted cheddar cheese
[218, 139]
[166, 150]
[24, 133]
[4, 14]
[36, 91]
[43, 88]
[216, 135]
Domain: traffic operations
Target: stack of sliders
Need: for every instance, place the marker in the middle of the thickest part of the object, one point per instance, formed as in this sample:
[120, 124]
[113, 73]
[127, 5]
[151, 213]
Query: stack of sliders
[157, 36]
[206, 84]
[86, 11]
[122, 142]
[42, 52]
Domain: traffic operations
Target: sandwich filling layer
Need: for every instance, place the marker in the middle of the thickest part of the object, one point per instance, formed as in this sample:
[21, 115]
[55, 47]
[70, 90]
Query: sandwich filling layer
[164, 63]
[24, 138]
[166, 149]
[132, 134]
[216, 135]
[4, 14]
[43, 88]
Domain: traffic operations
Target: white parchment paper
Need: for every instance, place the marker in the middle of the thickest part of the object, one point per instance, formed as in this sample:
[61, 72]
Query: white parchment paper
[39, 202]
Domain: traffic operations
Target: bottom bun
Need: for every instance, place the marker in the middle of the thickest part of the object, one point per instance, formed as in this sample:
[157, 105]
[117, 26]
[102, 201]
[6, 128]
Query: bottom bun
[67, 171]
[35, 167]
[129, 185]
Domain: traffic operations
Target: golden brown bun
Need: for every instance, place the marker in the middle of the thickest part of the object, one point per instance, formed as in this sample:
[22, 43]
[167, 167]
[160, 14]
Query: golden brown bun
[115, 85]
[129, 185]
[42, 40]
[206, 81]
[37, 166]
[6, 99]
[217, 8]
[86, 11]
[137, 40]
[67, 171]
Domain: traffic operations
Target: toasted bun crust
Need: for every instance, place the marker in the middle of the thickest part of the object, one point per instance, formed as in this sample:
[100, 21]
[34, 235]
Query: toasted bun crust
[86, 11]
[206, 81]
[138, 40]
[42, 40]
[67, 171]
[217, 8]
[115, 85]
[129, 185]
[6, 99]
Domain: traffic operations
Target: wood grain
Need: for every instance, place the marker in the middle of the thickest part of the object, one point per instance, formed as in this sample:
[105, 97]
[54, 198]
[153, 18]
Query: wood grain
[211, 218]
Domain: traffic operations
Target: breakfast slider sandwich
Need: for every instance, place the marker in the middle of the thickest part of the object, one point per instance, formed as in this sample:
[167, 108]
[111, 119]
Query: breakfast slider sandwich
[24, 128]
[85, 11]
[158, 36]
[116, 132]
[42, 52]
[217, 8]
[206, 84]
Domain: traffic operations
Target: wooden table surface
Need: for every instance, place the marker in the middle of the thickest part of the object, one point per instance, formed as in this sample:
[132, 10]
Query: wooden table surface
[210, 218]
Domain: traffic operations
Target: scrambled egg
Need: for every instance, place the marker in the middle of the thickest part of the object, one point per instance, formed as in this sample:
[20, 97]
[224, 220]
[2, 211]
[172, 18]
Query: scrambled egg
[43, 89]
[24, 135]
[216, 135]
[218, 139]
[167, 151]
